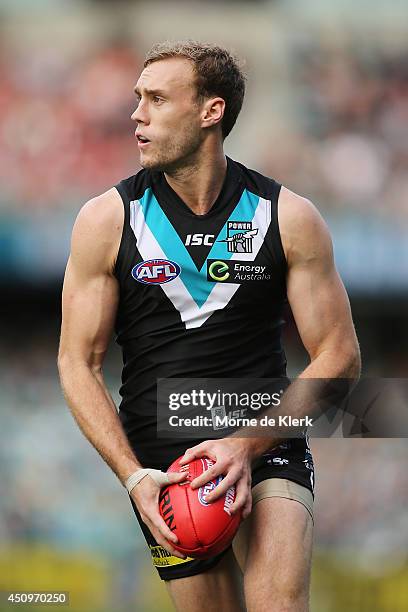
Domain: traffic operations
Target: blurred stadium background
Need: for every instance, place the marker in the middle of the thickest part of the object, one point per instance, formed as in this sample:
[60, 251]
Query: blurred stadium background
[326, 114]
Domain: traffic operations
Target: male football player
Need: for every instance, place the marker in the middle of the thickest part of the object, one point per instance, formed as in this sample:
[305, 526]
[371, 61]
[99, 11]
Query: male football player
[154, 259]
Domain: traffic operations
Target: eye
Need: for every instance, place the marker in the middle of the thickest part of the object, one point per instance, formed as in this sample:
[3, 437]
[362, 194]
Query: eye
[157, 99]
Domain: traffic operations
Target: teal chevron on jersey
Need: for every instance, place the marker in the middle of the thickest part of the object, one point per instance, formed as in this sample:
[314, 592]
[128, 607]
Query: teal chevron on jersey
[229, 329]
[194, 279]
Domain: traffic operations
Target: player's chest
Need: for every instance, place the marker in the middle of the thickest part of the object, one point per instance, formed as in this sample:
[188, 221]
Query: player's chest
[231, 247]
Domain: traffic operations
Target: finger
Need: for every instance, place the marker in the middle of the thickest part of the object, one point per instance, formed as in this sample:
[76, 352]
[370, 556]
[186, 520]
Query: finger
[216, 470]
[243, 498]
[247, 509]
[177, 477]
[166, 544]
[157, 522]
[194, 452]
[222, 488]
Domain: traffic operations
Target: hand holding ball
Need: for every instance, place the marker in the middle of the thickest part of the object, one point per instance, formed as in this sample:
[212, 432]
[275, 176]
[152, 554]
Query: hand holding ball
[203, 529]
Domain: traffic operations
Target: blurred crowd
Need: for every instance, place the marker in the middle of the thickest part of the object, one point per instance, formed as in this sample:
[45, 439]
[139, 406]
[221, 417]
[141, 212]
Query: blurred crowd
[369, 482]
[65, 130]
[345, 139]
[341, 137]
[59, 491]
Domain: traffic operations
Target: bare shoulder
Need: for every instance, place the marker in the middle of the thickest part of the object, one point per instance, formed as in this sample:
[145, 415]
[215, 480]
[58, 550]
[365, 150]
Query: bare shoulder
[102, 214]
[97, 231]
[304, 233]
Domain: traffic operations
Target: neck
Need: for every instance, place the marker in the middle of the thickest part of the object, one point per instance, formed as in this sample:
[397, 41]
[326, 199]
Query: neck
[199, 183]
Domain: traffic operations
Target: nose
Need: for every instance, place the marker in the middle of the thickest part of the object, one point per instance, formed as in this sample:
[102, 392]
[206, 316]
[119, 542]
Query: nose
[140, 114]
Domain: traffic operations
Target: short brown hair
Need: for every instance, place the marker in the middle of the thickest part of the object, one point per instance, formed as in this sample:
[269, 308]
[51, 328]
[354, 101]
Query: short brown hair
[218, 73]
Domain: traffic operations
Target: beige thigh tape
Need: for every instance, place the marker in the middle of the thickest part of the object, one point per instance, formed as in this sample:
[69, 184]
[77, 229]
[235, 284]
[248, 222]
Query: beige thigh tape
[273, 487]
[280, 487]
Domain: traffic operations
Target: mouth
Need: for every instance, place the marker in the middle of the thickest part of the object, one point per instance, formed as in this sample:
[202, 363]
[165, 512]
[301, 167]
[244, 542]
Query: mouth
[142, 141]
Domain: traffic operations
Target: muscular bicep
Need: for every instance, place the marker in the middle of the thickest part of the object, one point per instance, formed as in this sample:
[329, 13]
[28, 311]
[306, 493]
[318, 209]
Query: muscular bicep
[316, 294]
[320, 306]
[90, 293]
[89, 305]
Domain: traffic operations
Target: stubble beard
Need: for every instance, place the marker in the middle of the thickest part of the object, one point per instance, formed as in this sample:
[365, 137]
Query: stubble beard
[171, 157]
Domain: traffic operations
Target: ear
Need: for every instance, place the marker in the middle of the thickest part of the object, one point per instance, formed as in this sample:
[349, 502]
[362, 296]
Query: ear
[213, 112]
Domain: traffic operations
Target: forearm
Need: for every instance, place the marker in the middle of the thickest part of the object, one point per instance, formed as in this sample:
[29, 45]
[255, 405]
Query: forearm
[95, 412]
[300, 397]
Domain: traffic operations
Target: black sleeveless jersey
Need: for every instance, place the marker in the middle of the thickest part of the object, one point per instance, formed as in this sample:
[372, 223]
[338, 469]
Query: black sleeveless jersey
[201, 296]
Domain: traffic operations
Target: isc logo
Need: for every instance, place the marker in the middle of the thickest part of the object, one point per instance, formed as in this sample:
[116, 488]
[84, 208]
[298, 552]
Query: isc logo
[156, 271]
[199, 239]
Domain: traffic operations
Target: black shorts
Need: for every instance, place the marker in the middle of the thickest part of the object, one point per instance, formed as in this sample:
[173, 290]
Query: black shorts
[291, 460]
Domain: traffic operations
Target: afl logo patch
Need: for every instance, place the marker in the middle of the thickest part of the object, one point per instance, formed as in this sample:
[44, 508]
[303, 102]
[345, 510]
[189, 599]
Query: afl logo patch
[207, 489]
[209, 486]
[156, 271]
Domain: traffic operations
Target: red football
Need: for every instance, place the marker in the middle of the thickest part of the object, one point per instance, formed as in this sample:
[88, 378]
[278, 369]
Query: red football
[203, 529]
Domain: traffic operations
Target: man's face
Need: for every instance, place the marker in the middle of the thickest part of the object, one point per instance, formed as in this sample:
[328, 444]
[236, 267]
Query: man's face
[167, 115]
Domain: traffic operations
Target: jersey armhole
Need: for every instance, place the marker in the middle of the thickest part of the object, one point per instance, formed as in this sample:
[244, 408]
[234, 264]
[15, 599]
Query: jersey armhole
[123, 196]
[276, 235]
